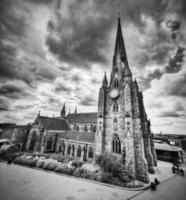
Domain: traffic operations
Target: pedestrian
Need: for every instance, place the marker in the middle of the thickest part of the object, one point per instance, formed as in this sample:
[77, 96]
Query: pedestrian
[181, 172]
[153, 186]
[173, 169]
[156, 181]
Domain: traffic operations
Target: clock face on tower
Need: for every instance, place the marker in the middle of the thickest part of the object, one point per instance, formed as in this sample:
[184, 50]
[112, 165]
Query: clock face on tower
[114, 93]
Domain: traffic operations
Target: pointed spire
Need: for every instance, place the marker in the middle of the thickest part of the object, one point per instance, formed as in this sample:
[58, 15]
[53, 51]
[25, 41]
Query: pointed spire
[63, 112]
[75, 111]
[105, 81]
[119, 45]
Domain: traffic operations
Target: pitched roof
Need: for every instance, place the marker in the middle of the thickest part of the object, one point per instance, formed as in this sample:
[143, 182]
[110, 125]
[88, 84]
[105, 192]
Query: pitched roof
[52, 123]
[79, 136]
[82, 118]
[166, 147]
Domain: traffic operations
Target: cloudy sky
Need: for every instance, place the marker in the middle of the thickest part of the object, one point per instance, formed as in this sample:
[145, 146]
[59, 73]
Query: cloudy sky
[53, 52]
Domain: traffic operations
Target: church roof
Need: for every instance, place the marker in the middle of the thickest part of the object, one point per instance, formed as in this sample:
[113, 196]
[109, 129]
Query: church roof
[52, 123]
[79, 136]
[82, 118]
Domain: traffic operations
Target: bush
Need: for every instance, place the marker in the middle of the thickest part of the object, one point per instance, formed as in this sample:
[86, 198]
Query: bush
[40, 163]
[112, 170]
[50, 165]
[26, 160]
[134, 184]
[65, 169]
[76, 163]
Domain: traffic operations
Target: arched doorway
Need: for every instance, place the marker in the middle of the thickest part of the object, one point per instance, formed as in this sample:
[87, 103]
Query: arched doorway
[32, 141]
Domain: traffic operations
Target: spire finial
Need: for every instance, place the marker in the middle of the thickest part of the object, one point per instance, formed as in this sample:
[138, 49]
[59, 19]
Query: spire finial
[118, 16]
[75, 111]
[105, 82]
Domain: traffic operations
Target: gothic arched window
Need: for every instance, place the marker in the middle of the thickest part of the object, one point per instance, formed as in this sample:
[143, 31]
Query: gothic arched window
[77, 128]
[116, 144]
[115, 107]
[79, 151]
[32, 141]
[85, 128]
[49, 144]
[74, 127]
[63, 148]
[115, 124]
[94, 129]
[73, 149]
[91, 152]
[116, 83]
[68, 149]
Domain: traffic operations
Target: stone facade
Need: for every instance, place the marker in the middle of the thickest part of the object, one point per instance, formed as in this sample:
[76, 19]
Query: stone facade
[123, 128]
[120, 127]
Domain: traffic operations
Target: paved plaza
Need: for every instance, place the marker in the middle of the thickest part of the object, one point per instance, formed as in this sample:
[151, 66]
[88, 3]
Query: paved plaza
[23, 183]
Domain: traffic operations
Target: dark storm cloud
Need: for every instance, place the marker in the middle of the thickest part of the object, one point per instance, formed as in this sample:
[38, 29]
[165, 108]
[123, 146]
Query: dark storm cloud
[76, 78]
[79, 33]
[62, 88]
[40, 1]
[88, 101]
[12, 24]
[14, 90]
[175, 63]
[170, 114]
[178, 88]
[4, 104]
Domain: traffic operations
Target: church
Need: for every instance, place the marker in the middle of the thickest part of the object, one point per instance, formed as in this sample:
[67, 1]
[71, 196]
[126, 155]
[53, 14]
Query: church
[120, 126]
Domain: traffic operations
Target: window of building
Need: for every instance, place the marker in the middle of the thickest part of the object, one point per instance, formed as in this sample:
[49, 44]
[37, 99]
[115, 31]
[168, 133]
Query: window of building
[77, 128]
[63, 148]
[32, 141]
[73, 150]
[49, 144]
[116, 83]
[115, 107]
[94, 129]
[79, 151]
[74, 127]
[85, 128]
[68, 149]
[115, 124]
[90, 153]
[116, 144]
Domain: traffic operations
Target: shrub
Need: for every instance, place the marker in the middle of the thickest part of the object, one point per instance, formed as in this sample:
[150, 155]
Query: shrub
[112, 170]
[65, 169]
[40, 163]
[76, 163]
[26, 160]
[50, 165]
[91, 168]
[134, 184]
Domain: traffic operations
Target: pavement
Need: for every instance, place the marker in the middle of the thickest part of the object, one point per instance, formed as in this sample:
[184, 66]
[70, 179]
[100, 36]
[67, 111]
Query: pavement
[23, 183]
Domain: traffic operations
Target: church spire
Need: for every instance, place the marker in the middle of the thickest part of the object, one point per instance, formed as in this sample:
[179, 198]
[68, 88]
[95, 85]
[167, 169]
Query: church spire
[120, 46]
[63, 111]
[75, 111]
[105, 81]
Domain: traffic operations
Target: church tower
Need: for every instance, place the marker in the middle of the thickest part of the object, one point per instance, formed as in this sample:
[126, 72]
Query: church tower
[63, 112]
[122, 125]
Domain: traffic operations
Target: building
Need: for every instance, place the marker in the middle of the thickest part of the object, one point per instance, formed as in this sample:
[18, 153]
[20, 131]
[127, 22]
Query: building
[14, 133]
[120, 126]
